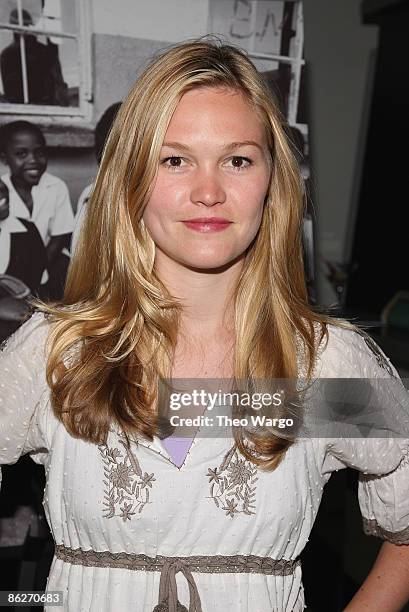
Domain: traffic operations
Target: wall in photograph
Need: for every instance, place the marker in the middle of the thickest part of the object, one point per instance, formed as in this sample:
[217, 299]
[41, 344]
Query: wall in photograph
[272, 32]
[95, 50]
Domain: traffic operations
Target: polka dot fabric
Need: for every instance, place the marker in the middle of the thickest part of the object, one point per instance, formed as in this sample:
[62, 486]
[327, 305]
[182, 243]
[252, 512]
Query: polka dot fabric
[120, 502]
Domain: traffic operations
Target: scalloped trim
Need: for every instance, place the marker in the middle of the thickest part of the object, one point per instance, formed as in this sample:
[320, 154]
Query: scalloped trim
[372, 527]
[206, 564]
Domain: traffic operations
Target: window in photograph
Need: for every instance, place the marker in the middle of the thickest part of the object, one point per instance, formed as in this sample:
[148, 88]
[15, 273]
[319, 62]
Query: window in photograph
[44, 57]
[272, 33]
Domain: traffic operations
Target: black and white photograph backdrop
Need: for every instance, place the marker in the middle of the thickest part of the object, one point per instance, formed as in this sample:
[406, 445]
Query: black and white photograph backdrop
[66, 65]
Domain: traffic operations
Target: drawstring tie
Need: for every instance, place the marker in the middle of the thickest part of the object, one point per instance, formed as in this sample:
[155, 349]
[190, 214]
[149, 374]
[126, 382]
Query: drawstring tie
[168, 596]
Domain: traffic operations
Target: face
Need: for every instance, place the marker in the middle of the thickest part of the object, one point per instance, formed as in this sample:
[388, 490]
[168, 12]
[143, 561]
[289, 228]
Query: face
[207, 202]
[25, 155]
[4, 201]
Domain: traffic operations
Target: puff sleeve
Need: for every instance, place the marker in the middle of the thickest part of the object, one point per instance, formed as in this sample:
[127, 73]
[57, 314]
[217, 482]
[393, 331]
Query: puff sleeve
[381, 455]
[23, 416]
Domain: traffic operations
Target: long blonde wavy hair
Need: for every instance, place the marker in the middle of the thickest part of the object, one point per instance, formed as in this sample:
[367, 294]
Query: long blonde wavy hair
[114, 333]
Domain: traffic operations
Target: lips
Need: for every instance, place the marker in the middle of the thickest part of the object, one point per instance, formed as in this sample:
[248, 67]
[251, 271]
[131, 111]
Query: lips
[207, 220]
[207, 224]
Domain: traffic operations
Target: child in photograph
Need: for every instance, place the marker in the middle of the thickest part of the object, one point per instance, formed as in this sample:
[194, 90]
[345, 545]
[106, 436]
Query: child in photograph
[37, 196]
[22, 256]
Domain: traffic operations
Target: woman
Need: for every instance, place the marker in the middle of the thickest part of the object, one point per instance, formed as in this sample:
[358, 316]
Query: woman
[193, 271]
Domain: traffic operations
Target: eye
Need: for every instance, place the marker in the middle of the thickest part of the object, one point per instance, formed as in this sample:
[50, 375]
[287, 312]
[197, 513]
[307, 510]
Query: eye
[173, 162]
[238, 162]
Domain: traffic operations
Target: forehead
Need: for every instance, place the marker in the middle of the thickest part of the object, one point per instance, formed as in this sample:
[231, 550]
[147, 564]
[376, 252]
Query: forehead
[25, 138]
[216, 110]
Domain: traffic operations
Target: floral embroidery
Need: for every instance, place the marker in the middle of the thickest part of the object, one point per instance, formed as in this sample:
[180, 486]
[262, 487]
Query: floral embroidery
[232, 484]
[126, 512]
[126, 486]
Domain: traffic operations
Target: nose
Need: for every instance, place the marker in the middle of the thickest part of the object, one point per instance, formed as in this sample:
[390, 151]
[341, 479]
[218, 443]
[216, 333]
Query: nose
[31, 157]
[34, 158]
[207, 188]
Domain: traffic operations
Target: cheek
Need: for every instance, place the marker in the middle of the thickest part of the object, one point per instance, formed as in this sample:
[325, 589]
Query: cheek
[254, 224]
[15, 165]
[164, 203]
[252, 204]
[10, 161]
[157, 211]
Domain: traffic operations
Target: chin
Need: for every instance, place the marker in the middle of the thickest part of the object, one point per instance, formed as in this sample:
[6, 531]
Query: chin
[210, 263]
[32, 181]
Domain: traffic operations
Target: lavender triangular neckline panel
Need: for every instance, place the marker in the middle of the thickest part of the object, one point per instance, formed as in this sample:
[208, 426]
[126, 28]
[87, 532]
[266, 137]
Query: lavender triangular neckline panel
[177, 448]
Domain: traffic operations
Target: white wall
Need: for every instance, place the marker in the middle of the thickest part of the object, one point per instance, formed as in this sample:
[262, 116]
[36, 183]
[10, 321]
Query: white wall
[170, 20]
[338, 51]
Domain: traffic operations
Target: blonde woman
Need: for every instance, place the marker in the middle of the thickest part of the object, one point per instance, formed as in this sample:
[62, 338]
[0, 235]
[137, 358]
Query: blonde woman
[190, 268]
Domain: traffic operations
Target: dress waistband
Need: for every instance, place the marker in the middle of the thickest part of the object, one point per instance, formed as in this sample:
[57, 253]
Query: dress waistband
[170, 566]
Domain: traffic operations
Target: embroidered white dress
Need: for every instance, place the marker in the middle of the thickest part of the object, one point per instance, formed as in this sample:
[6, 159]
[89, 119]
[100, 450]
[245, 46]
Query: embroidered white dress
[105, 499]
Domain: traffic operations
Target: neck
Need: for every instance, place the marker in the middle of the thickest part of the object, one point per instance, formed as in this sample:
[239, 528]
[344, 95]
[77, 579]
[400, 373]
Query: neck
[20, 185]
[206, 297]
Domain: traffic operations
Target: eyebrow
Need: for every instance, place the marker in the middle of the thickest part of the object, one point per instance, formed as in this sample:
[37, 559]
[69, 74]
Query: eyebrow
[226, 148]
[25, 147]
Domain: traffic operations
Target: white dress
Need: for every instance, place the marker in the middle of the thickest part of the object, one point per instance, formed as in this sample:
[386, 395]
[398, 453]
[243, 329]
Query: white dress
[106, 505]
